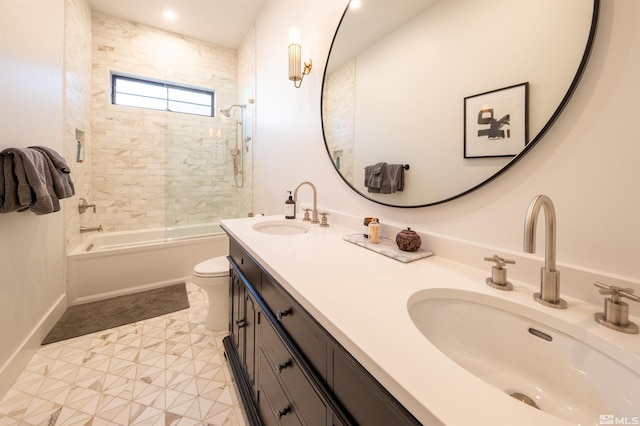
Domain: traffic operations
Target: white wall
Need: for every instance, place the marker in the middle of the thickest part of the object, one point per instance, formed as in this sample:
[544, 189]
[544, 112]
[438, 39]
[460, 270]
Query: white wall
[588, 163]
[31, 112]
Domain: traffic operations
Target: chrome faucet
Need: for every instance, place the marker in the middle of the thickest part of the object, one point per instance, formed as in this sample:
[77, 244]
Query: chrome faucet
[549, 278]
[314, 213]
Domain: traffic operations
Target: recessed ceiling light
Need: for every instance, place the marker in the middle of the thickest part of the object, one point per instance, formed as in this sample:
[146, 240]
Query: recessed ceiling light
[355, 4]
[169, 15]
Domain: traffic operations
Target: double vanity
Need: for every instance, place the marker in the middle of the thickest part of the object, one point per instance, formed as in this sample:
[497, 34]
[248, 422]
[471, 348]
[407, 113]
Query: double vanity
[325, 332]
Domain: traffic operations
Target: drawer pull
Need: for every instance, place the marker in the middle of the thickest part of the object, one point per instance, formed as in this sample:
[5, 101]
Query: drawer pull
[282, 366]
[281, 413]
[240, 323]
[282, 314]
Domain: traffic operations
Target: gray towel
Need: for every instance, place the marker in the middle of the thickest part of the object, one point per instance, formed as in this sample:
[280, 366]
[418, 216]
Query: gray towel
[62, 185]
[30, 169]
[395, 173]
[373, 176]
[58, 160]
[383, 178]
[33, 178]
[368, 171]
[9, 201]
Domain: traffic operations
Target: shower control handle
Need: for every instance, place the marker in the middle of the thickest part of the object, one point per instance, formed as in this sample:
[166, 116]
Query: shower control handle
[83, 205]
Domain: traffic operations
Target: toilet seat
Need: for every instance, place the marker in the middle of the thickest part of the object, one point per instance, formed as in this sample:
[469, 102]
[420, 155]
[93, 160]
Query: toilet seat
[212, 268]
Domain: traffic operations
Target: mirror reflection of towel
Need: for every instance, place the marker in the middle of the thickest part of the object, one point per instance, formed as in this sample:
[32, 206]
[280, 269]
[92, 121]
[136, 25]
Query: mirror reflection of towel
[373, 176]
[383, 178]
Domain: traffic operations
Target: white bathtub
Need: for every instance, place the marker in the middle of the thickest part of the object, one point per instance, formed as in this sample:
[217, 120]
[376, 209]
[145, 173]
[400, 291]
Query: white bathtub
[114, 263]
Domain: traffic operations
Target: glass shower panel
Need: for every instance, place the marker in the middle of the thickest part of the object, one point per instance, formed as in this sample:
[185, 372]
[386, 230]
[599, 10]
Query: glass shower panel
[200, 172]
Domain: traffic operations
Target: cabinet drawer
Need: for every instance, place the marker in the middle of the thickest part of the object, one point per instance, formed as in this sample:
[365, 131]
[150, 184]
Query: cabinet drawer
[306, 334]
[273, 405]
[307, 403]
[245, 263]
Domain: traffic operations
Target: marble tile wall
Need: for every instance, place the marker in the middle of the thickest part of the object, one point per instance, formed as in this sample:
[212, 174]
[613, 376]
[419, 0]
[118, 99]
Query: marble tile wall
[247, 93]
[338, 113]
[154, 168]
[77, 63]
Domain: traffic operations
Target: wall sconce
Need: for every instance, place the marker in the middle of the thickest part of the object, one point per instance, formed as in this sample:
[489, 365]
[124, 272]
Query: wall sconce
[296, 71]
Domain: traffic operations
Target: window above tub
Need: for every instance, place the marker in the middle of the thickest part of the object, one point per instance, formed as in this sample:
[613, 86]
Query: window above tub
[146, 93]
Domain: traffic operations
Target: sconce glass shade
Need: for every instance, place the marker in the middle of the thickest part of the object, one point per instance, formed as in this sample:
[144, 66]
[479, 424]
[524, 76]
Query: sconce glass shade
[297, 70]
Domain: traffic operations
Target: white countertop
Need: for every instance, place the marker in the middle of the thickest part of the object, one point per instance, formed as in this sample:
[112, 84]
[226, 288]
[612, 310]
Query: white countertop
[361, 297]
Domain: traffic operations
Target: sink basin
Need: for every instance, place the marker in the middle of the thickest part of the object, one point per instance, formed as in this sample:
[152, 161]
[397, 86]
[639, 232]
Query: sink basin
[281, 227]
[532, 360]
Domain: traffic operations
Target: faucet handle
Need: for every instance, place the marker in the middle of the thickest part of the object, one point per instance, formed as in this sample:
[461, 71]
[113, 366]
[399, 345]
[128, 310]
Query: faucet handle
[323, 221]
[498, 277]
[83, 205]
[617, 292]
[616, 312]
[500, 261]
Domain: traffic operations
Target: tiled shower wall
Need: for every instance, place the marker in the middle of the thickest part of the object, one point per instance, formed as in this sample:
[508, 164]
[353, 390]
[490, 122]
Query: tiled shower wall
[154, 168]
[77, 112]
[338, 114]
[247, 94]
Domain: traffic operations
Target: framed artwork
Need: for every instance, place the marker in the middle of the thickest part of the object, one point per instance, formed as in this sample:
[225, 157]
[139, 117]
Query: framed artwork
[496, 123]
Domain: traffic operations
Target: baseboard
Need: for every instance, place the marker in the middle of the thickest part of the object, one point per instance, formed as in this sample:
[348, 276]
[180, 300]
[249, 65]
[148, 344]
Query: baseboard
[137, 289]
[17, 362]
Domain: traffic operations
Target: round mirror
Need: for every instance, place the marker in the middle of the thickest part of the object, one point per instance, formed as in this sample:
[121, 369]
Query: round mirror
[424, 101]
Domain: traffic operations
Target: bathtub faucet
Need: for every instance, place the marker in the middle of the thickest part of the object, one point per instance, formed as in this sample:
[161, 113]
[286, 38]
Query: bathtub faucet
[91, 228]
[83, 206]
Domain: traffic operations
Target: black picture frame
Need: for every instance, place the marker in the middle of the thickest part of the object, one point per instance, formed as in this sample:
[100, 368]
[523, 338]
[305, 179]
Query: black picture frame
[496, 123]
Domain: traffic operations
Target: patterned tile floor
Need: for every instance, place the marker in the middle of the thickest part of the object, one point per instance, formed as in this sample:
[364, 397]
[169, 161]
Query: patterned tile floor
[168, 370]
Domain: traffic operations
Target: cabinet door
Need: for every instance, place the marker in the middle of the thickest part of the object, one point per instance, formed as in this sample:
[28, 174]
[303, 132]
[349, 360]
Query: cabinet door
[244, 319]
[367, 402]
[252, 317]
[236, 311]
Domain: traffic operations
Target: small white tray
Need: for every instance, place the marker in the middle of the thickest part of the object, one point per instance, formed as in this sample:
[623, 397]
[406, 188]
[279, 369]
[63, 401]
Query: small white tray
[388, 247]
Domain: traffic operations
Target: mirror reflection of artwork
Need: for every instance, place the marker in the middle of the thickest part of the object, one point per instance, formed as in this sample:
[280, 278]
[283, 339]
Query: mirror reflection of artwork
[398, 71]
[496, 123]
[495, 127]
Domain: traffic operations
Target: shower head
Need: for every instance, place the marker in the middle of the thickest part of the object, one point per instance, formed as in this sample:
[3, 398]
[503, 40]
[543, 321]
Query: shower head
[227, 112]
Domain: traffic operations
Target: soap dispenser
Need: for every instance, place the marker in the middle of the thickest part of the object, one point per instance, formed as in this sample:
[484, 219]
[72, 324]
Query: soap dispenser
[290, 207]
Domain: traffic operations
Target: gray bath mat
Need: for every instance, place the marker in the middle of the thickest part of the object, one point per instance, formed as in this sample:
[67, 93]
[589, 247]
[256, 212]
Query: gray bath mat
[104, 314]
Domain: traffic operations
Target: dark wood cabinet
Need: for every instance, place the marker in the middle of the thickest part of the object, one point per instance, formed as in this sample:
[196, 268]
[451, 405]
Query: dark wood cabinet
[243, 328]
[308, 337]
[367, 402]
[288, 368]
[303, 400]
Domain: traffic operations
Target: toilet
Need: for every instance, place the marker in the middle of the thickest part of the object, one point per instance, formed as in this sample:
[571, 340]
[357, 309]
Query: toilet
[212, 276]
